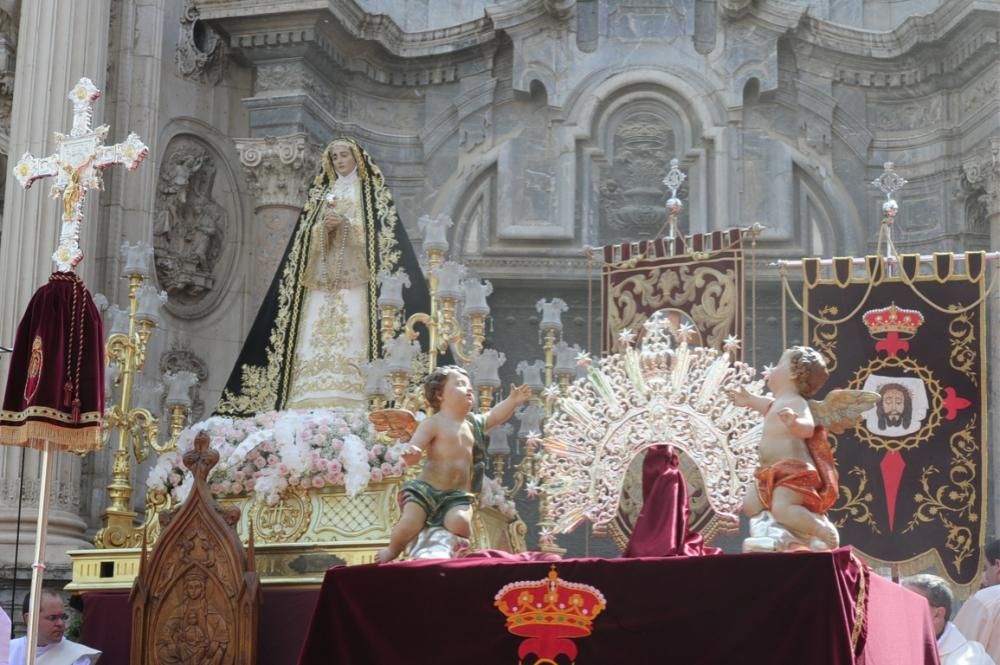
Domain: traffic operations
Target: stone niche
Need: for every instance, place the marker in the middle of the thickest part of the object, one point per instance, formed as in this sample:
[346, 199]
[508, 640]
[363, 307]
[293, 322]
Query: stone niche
[640, 140]
[193, 231]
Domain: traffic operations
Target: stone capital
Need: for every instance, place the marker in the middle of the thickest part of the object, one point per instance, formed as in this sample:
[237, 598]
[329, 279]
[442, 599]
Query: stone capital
[982, 170]
[279, 169]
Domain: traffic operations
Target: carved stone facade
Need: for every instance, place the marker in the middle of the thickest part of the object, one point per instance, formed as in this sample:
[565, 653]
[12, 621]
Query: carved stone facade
[543, 126]
[201, 51]
[190, 226]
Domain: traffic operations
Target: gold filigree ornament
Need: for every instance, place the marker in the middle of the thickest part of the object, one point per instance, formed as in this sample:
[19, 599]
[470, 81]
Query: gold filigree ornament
[955, 496]
[664, 392]
[962, 340]
[285, 521]
[715, 294]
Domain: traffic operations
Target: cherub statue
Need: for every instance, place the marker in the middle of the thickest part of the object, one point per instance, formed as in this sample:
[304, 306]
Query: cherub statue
[452, 443]
[797, 480]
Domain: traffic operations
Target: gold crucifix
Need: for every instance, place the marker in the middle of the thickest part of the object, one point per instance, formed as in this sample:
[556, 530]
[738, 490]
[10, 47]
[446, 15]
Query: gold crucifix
[77, 165]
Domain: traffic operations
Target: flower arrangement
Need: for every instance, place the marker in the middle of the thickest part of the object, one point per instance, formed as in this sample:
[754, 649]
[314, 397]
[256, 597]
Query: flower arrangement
[493, 495]
[271, 452]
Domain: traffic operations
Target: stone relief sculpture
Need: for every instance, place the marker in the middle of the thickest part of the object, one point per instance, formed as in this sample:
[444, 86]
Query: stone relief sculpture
[200, 50]
[190, 224]
[631, 191]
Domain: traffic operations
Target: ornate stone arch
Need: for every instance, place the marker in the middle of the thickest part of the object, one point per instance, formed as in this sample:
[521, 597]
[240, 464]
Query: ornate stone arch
[198, 219]
[625, 128]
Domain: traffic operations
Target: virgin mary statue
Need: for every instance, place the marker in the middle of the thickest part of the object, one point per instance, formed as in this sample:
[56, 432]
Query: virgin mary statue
[319, 323]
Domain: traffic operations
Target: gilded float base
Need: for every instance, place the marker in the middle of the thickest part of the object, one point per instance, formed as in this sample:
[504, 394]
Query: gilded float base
[297, 539]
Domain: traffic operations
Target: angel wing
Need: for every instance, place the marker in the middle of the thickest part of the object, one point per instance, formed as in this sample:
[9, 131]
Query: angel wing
[398, 423]
[842, 408]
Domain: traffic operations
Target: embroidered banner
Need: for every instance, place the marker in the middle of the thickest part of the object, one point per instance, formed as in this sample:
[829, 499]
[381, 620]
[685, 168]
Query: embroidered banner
[700, 283]
[913, 471]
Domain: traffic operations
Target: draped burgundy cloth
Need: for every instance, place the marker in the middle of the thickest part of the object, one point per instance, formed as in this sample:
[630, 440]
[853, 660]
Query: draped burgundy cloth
[55, 387]
[662, 526]
[779, 609]
[284, 619]
[797, 608]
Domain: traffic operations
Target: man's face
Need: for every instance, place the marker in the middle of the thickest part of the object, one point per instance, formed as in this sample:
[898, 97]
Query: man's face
[51, 620]
[991, 573]
[893, 404]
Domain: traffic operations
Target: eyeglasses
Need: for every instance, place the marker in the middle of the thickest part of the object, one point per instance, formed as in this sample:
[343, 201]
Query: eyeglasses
[56, 617]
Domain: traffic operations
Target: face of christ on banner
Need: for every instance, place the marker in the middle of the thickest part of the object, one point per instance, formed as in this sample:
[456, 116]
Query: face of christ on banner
[901, 408]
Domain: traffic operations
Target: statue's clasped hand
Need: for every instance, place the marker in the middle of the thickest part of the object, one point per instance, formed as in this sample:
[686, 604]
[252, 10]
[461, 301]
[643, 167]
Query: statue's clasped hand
[334, 220]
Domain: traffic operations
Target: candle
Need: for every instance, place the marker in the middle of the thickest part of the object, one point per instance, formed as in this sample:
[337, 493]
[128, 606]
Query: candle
[551, 313]
[401, 352]
[179, 386]
[138, 258]
[375, 378]
[391, 288]
[119, 320]
[449, 276]
[531, 374]
[498, 440]
[475, 296]
[150, 302]
[485, 368]
[435, 230]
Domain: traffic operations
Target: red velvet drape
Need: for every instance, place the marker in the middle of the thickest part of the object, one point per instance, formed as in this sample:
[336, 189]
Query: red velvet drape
[662, 526]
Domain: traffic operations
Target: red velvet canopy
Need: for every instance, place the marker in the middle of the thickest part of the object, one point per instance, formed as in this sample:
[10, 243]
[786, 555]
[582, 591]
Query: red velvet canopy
[55, 387]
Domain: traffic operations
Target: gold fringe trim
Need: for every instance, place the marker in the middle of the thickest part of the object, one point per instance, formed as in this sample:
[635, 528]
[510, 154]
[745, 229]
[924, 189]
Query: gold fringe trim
[860, 603]
[922, 563]
[89, 417]
[34, 434]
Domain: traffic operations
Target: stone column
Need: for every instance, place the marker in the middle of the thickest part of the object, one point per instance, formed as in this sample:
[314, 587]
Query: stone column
[983, 170]
[59, 42]
[279, 172]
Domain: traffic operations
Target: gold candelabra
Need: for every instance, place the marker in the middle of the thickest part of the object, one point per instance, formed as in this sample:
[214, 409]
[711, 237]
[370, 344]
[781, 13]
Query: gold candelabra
[137, 429]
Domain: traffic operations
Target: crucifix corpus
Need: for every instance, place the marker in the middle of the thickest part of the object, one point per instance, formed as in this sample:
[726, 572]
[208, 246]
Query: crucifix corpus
[55, 386]
[77, 165]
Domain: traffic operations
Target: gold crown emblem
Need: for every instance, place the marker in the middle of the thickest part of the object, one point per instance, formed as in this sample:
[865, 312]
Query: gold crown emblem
[892, 319]
[550, 607]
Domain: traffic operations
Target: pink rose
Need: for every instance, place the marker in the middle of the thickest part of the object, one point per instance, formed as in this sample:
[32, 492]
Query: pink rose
[273, 460]
[386, 468]
[249, 484]
[260, 462]
[376, 475]
[317, 482]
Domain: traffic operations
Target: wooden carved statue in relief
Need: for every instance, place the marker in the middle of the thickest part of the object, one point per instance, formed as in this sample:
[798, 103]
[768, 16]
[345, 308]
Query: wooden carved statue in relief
[196, 600]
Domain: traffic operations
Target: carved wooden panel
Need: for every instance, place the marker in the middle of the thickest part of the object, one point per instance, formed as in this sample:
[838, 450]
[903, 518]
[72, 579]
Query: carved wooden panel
[196, 600]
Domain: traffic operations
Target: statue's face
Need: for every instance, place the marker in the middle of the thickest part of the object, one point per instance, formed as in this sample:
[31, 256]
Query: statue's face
[343, 159]
[194, 588]
[457, 390]
[780, 377]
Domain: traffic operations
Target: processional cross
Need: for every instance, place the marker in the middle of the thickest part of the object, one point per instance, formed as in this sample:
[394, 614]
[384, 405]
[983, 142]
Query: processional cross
[77, 165]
